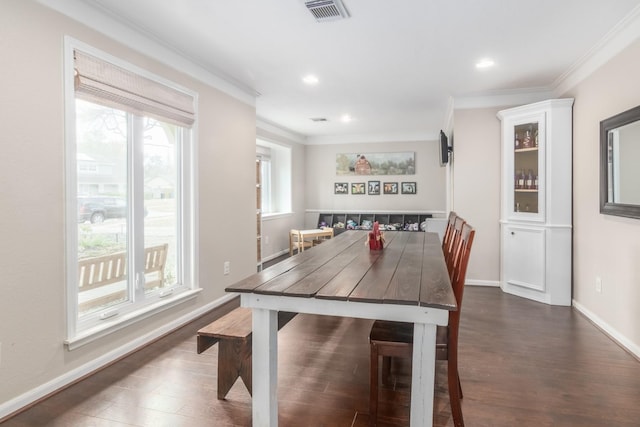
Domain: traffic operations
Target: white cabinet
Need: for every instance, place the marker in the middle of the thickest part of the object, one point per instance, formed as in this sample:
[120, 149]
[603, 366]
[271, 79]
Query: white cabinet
[535, 214]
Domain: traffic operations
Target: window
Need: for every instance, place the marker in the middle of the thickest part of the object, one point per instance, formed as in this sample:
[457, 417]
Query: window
[264, 157]
[129, 194]
[275, 161]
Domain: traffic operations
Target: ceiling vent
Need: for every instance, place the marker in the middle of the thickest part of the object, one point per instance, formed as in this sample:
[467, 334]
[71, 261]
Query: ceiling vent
[318, 119]
[326, 10]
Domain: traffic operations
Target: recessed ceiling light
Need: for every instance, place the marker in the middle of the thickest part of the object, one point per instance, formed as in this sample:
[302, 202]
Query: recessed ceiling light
[485, 63]
[345, 118]
[310, 79]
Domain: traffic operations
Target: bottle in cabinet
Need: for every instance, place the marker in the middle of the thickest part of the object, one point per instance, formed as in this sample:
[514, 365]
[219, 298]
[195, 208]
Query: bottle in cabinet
[527, 142]
[521, 180]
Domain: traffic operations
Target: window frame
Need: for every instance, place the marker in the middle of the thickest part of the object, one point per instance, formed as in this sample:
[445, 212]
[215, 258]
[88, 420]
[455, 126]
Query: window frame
[265, 184]
[280, 158]
[88, 329]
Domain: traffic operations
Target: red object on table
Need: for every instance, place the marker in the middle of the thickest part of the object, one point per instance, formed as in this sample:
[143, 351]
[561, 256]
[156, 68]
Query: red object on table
[376, 238]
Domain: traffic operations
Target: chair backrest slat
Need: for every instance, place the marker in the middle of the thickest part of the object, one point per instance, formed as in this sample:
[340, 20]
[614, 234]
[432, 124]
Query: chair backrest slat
[462, 255]
[451, 252]
[448, 232]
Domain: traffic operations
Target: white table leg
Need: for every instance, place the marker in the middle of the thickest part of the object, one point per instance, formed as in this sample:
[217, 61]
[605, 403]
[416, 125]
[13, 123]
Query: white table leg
[423, 374]
[265, 368]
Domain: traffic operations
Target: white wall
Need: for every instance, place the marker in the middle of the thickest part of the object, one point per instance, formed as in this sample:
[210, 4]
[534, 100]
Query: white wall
[275, 230]
[605, 246]
[476, 188]
[32, 256]
[320, 175]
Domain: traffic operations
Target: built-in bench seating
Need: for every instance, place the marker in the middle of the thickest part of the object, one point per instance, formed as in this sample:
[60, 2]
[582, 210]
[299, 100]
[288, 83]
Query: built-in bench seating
[233, 333]
[364, 221]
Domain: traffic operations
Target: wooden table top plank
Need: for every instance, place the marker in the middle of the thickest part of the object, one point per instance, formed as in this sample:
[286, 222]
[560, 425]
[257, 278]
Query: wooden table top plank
[280, 284]
[402, 288]
[343, 283]
[310, 285]
[248, 284]
[374, 284]
[314, 259]
[254, 281]
[328, 249]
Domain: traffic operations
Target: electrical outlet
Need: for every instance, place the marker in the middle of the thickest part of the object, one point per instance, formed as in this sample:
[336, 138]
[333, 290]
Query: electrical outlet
[227, 267]
[598, 285]
[266, 240]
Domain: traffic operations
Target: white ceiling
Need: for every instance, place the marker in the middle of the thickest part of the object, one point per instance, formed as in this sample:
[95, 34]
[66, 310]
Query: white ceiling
[394, 66]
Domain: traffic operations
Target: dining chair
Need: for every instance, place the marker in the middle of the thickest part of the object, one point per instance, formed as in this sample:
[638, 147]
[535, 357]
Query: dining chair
[395, 339]
[448, 231]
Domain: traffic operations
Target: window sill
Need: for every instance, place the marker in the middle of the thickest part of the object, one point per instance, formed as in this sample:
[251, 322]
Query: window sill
[276, 215]
[120, 322]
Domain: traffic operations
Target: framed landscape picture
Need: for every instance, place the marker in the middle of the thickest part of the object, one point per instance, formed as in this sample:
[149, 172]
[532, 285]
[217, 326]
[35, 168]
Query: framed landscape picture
[358, 188]
[390, 188]
[375, 163]
[341, 188]
[409, 188]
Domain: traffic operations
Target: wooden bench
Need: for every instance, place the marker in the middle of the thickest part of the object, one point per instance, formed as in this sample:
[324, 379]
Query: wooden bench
[233, 333]
[97, 273]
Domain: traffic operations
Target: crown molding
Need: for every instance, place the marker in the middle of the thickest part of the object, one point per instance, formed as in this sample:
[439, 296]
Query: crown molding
[146, 44]
[365, 138]
[276, 129]
[615, 41]
[502, 98]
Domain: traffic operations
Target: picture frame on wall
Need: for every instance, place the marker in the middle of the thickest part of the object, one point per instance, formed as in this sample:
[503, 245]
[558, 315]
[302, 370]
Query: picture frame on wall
[341, 188]
[398, 163]
[390, 188]
[409, 188]
[373, 188]
[358, 188]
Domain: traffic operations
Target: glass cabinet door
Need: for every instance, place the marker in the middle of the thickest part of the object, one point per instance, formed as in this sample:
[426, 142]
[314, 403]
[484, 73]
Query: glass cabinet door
[526, 168]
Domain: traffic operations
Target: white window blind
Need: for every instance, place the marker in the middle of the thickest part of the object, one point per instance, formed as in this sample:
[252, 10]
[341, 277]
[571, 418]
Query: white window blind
[107, 84]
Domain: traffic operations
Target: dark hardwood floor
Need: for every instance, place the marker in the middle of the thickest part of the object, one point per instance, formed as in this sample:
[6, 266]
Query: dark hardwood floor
[521, 364]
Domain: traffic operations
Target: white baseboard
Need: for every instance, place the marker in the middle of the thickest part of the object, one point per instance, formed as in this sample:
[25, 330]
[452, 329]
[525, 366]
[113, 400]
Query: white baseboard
[620, 339]
[491, 283]
[16, 404]
[275, 255]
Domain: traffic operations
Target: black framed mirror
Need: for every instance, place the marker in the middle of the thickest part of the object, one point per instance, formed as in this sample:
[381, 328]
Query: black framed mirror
[620, 164]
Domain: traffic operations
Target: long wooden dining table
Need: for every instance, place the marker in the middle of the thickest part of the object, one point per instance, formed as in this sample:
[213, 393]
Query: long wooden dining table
[406, 281]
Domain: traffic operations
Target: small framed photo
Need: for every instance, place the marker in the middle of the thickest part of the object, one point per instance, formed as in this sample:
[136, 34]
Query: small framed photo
[341, 188]
[358, 188]
[409, 188]
[390, 188]
[373, 188]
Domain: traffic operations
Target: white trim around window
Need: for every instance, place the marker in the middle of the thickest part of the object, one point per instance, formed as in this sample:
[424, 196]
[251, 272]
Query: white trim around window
[184, 282]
